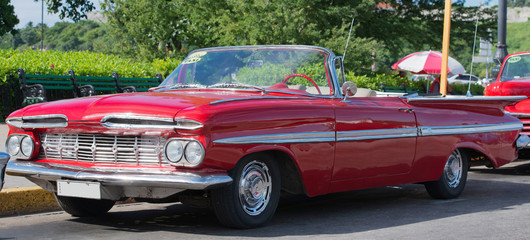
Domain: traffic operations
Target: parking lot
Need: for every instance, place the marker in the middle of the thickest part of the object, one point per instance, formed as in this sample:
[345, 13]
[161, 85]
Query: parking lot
[494, 205]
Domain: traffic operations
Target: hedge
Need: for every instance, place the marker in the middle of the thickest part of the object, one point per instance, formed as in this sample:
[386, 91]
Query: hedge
[396, 81]
[83, 63]
[98, 64]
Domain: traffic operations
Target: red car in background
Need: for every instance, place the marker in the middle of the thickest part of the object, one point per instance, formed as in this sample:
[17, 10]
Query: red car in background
[233, 127]
[513, 79]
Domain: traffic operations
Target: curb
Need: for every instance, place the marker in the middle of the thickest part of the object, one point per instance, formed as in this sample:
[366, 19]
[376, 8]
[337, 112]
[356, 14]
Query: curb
[25, 200]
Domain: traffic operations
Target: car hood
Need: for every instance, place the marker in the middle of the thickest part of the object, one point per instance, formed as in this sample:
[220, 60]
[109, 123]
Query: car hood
[153, 104]
[517, 87]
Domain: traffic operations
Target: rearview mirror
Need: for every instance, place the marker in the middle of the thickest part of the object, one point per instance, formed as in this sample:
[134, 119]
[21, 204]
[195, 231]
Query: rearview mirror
[349, 89]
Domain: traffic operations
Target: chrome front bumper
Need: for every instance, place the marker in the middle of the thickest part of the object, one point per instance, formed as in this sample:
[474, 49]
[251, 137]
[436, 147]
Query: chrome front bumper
[137, 178]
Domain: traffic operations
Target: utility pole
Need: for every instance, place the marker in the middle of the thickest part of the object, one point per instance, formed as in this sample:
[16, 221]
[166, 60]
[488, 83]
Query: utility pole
[42, 27]
[445, 47]
[501, 52]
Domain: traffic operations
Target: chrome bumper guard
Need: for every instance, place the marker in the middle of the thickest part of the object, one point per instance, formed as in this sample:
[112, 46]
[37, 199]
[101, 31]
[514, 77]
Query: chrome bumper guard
[165, 179]
[4, 158]
[523, 141]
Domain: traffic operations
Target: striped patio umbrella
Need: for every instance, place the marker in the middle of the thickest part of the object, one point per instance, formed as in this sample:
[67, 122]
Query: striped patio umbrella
[427, 62]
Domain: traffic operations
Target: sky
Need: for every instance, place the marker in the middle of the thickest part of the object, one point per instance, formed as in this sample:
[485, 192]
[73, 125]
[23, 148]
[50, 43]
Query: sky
[29, 10]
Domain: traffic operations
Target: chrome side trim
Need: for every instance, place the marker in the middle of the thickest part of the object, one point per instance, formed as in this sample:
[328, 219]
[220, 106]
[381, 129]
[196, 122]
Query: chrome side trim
[262, 98]
[112, 177]
[39, 121]
[376, 134]
[360, 135]
[136, 122]
[468, 129]
[415, 97]
[281, 138]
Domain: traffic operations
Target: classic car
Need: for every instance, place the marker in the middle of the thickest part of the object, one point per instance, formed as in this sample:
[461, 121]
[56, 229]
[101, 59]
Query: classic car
[513, 79]
[233, 127]
[463, 79]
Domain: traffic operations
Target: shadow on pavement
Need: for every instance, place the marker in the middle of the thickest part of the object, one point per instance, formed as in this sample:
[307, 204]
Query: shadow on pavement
[339, 213]
[523, 168]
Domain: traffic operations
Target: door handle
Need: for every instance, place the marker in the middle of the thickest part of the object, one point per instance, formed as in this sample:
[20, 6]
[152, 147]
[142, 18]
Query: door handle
[406, 110]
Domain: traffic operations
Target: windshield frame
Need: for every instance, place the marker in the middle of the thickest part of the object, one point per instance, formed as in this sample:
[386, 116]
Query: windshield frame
[329, 65]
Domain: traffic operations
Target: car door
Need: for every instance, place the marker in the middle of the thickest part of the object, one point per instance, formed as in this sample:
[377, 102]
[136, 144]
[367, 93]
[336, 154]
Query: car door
[375, 137]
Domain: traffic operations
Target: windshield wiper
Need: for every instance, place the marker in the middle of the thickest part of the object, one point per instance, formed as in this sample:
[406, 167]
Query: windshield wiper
[236, 84]
[180, 86]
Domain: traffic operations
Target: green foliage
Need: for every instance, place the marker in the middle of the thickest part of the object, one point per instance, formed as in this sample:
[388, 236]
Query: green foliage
[73, 9]
[461, 89]
[315, 71]
[83, 63]
[379, 33]
[518, 3]
[390, 80]
[363, 81]
[266, 75]
[518, 35]
[63, 36]
[146, 29]
[8, 19]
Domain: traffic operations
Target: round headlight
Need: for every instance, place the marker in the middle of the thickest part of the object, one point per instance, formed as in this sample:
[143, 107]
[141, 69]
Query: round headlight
[13, 145]
[194, 153]
[174, 151]
[27, 146]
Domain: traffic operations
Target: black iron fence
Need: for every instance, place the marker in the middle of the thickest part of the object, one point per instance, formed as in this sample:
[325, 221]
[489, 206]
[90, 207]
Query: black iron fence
[13, 98]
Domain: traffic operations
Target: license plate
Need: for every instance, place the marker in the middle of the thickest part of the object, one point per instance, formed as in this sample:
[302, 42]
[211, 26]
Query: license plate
[80, 189]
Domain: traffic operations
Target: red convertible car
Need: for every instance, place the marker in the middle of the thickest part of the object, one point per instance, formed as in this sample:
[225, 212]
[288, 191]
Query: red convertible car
[233, 127]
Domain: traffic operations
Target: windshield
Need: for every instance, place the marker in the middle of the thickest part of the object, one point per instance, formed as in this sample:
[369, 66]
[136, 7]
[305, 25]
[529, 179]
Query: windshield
[293, 69]
[516, 67]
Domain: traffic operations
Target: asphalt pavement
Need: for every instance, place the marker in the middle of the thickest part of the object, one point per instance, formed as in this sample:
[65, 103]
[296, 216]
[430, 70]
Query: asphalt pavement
[494, 205]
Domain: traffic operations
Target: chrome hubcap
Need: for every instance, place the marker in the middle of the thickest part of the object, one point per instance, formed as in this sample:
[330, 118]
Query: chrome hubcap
[453, 169]
[255, 188]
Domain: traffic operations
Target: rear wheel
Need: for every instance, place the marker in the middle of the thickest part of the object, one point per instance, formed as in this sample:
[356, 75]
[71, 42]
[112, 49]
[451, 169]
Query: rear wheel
[453, 179]
[251, 199]
[83, 207]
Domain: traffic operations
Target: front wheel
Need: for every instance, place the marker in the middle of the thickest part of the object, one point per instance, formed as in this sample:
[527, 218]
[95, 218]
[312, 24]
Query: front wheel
[453, 179]
[83, 207]
[251, 199]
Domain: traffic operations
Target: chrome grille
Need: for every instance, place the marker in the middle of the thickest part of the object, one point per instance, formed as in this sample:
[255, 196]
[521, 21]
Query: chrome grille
[139, 150]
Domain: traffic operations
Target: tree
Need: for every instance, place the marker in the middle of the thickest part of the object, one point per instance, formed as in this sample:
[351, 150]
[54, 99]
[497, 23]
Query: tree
[384, 31]
[72, 9]
[518, 3]
[8, 19]
[150, 29]
[389, 27]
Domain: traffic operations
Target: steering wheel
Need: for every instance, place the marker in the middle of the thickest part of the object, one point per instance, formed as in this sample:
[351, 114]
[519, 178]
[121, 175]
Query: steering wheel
[306, 77]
